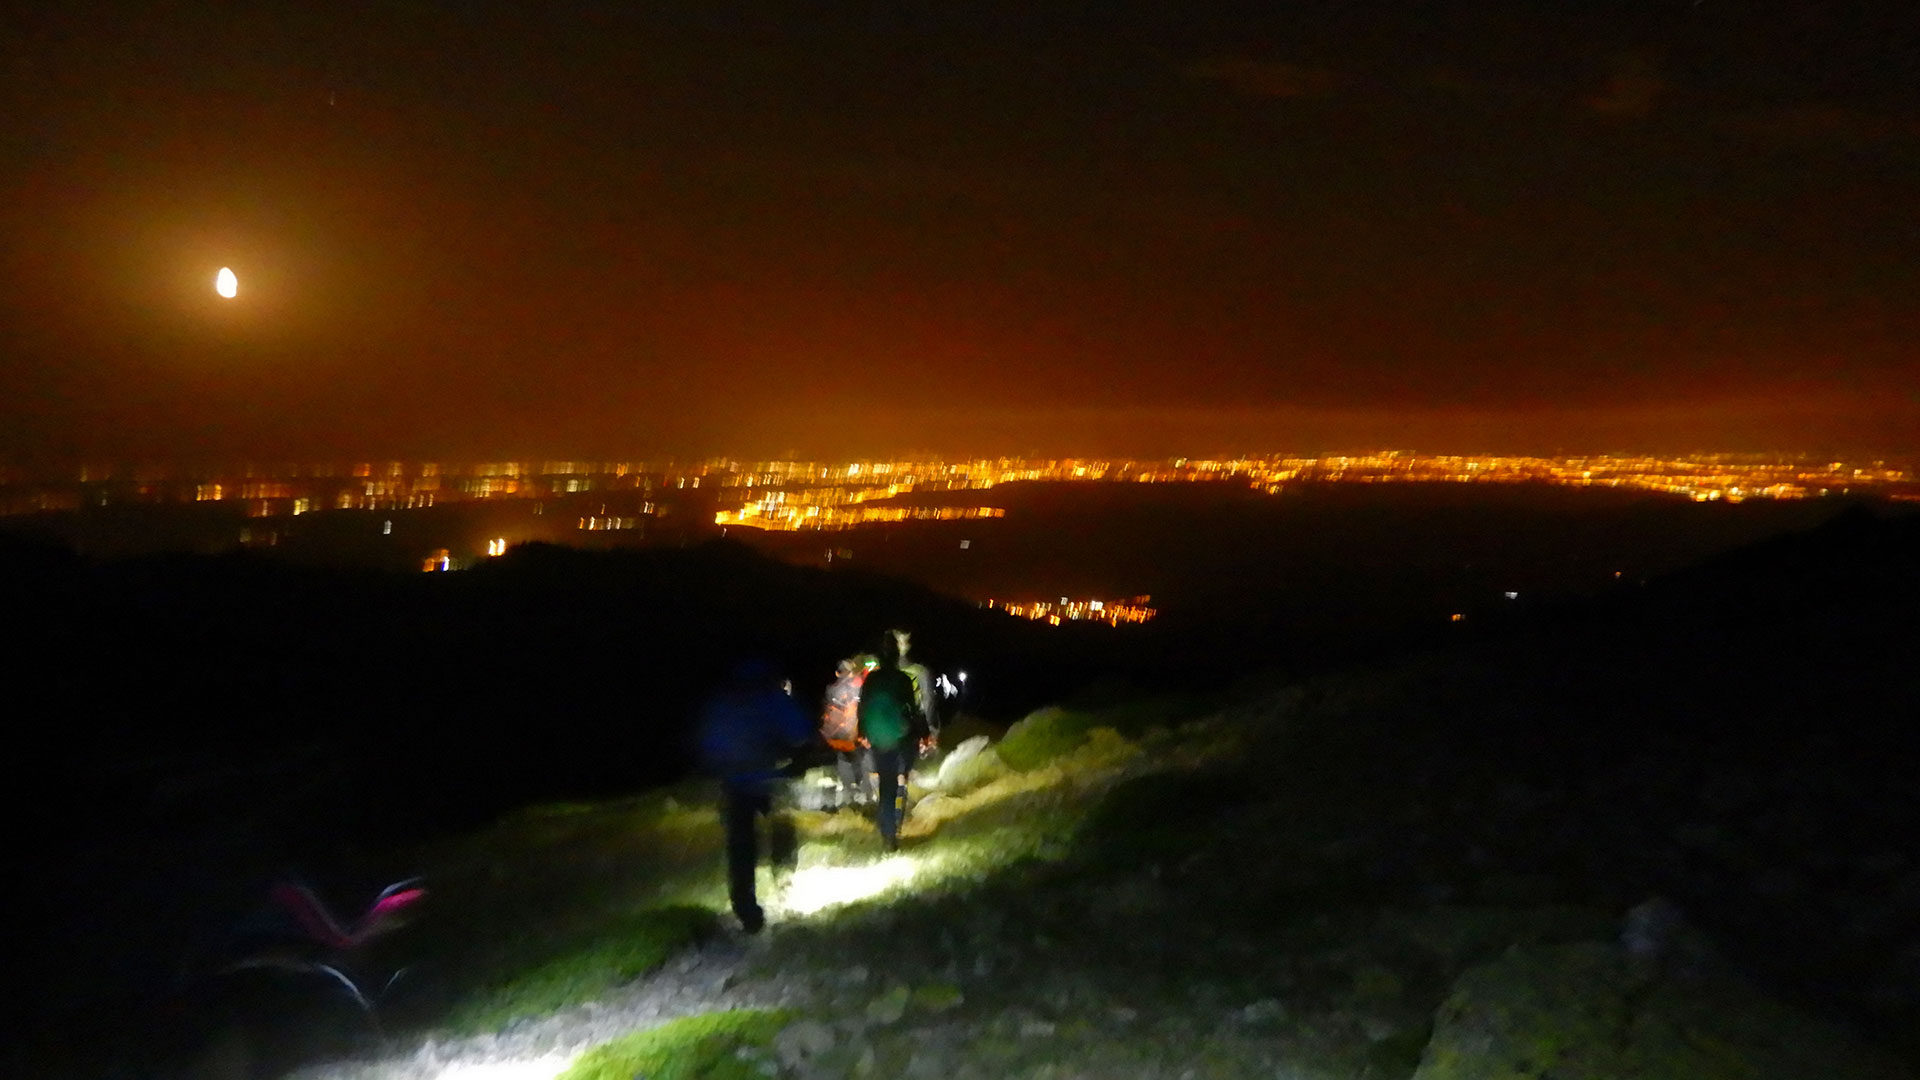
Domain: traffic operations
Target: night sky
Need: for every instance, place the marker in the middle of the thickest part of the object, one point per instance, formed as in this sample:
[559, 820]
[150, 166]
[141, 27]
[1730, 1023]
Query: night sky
[564, 229]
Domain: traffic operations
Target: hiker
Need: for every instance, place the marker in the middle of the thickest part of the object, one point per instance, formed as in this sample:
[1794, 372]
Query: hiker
[925, 694]
[892, 724]
[748, 731]
[840, 728]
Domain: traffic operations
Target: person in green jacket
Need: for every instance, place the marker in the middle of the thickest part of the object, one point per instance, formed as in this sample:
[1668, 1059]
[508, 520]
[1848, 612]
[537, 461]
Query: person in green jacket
[892, 724]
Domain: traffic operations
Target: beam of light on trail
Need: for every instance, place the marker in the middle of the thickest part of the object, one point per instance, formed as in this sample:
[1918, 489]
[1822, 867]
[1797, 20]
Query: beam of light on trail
[545, 1068]
[815, 888]
[226, 283]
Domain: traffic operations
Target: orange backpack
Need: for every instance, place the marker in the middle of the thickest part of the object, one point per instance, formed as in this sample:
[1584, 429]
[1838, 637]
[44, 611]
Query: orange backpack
[840, 724]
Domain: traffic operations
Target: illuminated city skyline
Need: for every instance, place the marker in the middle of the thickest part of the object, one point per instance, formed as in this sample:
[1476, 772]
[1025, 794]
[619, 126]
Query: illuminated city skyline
[446, 516]
[787, 495]
[1130, 611]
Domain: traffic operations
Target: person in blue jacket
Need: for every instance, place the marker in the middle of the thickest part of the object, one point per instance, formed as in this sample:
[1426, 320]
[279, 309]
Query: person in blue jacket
[749, 731]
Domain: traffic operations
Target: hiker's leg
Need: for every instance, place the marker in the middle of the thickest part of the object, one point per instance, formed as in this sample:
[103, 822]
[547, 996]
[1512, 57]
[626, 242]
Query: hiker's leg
[909, 757]
[741, 806]
[887, 815]
[847, 764]
[783, 845]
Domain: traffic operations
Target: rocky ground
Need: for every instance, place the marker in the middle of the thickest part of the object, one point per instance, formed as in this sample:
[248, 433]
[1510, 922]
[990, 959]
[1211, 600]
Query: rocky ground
[1297, 886]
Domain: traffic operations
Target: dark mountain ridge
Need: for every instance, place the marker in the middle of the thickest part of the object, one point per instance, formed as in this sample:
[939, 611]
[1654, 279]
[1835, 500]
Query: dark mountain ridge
[201, 723]
[1739, 736]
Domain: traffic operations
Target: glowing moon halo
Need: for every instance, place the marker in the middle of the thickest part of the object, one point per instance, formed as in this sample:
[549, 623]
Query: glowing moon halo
[226, 284]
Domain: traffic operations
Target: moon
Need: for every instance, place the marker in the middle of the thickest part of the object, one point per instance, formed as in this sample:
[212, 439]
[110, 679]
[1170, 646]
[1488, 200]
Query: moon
[226, 284]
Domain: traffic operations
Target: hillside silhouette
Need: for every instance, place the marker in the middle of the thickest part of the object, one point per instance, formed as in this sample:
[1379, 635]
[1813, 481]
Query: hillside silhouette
[1737, 737]
[1740, 736]
[200, 718]
[1643, 835]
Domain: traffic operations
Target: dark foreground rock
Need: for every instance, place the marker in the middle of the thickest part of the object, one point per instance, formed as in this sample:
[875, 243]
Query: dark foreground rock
[1581, 1012]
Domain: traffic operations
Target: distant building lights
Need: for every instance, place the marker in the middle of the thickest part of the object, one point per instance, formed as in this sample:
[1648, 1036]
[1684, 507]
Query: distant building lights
[1111, 612]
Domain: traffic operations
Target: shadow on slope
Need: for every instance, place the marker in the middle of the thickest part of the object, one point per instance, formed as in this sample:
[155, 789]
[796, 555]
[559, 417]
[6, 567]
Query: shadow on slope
[207, 725]
[1739, 738]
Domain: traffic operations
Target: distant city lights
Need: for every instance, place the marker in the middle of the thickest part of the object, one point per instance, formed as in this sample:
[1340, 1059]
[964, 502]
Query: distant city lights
[775, 514]
[798, 495]
[1111, 612]
[795, 495]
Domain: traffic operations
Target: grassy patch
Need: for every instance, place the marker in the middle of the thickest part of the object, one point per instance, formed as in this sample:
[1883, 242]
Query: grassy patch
[1046, 735]
[714, 1046]
[960, 777]
[1054, 732]
[585, 968]
[552, 905]
[1164, 815]
[557, 905]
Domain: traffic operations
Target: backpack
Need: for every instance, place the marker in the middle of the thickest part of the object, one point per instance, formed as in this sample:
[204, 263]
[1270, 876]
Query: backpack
[840, 726]
[888, 714]
[923, 695]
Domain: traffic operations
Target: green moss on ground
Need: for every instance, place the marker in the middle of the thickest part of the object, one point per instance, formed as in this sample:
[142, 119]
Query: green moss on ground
[585, 968]
[1049, 734]
[1263, 892]
[1577, 1012]
[1043, 737]
[735, 1045]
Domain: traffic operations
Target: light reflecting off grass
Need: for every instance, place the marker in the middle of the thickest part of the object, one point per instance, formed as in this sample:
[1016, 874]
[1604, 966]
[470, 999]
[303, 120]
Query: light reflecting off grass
[960, 840]
[545, 1068]
[815, 888]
